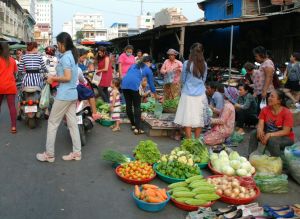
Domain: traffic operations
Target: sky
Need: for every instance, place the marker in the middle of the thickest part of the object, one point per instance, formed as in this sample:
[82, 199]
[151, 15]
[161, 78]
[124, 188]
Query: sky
[118, 10]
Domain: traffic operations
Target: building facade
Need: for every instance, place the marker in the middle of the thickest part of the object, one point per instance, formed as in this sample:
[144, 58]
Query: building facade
[29, 5]
[81, 19]
[15, 22]
[67, 27]
[92, 34]
[44, 19]
[145, 22]
[117, 30]
[169, 16]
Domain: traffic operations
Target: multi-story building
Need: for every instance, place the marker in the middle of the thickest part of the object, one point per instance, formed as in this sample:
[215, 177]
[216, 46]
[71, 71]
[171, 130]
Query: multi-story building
[92, 34]
[145, 22]
[169, 16]
[68, 27]
[117, 30]
[29, 5]
[81, 19]
[44, 19]
[15, 22]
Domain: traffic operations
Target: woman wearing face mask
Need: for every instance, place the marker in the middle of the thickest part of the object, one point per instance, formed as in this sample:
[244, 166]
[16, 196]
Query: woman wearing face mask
[104, 68]
[126, 60]
[65, 100]
[130, 85]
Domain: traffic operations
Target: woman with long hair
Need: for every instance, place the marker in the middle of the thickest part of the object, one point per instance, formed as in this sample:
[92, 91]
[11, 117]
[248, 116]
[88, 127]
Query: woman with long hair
[65, 100]
[193, 104]
[8, 88]
[104, 68]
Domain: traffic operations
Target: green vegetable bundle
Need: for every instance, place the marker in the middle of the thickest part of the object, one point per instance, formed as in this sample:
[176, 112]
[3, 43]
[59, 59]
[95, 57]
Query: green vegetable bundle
[271, 183]
[178, 169]
[147, 151]
[193, 191]
[171, 104]
[149, 106]
[115, 157]
[197, 148]
[104, 108]
[99, 103]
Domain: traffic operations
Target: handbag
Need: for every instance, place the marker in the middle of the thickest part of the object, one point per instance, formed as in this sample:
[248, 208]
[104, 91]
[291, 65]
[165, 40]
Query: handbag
[263, 103]
[96, 79]
[45, 97]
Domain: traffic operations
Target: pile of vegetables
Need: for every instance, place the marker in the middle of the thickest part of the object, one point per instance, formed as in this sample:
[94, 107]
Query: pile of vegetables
[197, 148]
[171, 103]
[229, 186]
[231, 165]
[178, 155]
[272, 183]
[149, 106]
[147, 151]
[150, 193]
[136, 170]
[193, 191]
[115, 157]
[177, 169]
[104, 109]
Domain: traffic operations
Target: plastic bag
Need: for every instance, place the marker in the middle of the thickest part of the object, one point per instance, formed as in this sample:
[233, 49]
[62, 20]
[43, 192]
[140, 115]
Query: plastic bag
[96, 79]
[271, 183]
[263, 103]
[169, 77]
[158, 109]
[45, 97]
[292, 158]
[266, 165]
[237, 138]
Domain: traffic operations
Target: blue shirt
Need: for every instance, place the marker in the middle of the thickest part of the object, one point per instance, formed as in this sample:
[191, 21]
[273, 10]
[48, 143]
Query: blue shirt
[82, 66]
[218, 100]
[192, 86]
[134, 76]
[67, 91]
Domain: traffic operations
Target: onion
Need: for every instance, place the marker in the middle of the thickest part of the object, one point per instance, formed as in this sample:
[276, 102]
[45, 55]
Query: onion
[236, 191]
[243, 189]
[223, 187]
[219, 191]
[241, 195]
[233, 195]
[247, 196]
[227, 192]
[235, 184]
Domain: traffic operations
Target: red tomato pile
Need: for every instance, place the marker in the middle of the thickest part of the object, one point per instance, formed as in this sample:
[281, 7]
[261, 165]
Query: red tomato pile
[136, 170]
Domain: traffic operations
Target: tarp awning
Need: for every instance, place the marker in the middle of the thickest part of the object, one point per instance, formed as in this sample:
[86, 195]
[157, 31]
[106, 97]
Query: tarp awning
[9, 39]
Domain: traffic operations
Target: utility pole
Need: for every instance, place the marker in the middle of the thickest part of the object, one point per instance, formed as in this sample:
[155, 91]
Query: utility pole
[142, 2]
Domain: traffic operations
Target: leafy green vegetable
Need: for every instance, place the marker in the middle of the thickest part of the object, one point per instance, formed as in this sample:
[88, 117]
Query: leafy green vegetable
[177, 169]
[104, 108]
[115, 157]
[171, 104]
[147, 151]
[149, 106]
[99, 103]
[197, 148]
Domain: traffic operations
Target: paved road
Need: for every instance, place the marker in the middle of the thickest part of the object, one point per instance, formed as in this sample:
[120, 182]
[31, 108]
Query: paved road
[85, 189]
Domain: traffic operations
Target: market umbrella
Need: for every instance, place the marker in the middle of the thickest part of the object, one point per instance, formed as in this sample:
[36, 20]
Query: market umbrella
[17, 46]
[82, 47]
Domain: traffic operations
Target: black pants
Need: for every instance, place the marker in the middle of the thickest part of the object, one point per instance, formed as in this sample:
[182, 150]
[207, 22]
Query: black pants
[243, 117]
[133, 102]
[104, 94]
[275, 145]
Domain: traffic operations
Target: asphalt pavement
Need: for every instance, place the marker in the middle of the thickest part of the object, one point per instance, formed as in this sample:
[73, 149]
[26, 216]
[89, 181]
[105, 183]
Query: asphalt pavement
[81, 189]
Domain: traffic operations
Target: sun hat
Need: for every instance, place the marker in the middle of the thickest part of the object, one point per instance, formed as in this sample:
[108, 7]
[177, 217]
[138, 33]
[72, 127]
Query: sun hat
[232, 94]
[172, 52]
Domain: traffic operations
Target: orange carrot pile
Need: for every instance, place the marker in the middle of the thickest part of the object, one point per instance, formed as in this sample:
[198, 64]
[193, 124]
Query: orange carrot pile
[150, 193]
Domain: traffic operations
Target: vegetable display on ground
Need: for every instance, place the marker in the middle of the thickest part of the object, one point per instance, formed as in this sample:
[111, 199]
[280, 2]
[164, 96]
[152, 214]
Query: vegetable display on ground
[171, 103]
[115, 157]
[150, 193]
[147, 151]
[136, 170]
[197, 148]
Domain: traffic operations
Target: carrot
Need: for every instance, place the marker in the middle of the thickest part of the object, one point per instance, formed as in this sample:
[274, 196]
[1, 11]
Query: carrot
[150, 192]
[159, 195]
[163, 193]
[154, 199]
[137, 191]
[148, 186]
[143, 195]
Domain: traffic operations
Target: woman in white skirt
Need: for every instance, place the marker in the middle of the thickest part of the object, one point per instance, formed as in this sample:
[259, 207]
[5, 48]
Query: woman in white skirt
[192, 108]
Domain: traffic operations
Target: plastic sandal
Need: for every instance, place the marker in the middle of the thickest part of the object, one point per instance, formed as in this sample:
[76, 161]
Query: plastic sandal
[268, 208]
[282, 214]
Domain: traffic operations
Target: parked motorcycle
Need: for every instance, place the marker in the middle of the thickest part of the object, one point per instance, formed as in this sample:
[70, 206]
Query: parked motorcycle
[29, 105]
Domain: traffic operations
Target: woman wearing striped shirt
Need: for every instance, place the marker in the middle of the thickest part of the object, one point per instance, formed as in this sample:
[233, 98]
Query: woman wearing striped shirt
[31, 65]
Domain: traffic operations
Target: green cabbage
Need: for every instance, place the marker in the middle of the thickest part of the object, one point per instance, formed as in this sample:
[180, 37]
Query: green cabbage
[242, 172]
[235, 164]
[234, 155]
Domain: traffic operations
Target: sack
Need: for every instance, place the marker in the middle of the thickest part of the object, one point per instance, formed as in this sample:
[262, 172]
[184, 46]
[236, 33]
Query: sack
[292, 158]
[269, 183]
[45, 97]
[169, 77]
[265, 164]
[96, 79]
[263, 103]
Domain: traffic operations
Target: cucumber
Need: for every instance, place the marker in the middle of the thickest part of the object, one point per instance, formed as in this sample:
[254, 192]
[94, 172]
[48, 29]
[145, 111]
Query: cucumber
[209, 197]
[204, 190]
[182, 200]
[178, 189]
[202, 182]
[197, 184]
[185, 194]
[178, 184]
[193, 178]
[196, 202]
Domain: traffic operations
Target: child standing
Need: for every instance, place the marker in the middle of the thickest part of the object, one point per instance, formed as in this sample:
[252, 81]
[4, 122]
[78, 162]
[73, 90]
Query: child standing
[115, 103]
[144, 90]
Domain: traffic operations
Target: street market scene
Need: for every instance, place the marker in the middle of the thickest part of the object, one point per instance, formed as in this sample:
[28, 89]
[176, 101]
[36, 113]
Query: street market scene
[150, 109]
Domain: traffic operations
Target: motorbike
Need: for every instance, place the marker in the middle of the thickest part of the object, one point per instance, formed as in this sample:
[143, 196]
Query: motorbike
[29, 105]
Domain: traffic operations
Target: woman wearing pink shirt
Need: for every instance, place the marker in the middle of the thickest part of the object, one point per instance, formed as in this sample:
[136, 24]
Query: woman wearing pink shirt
[171, 70]
[126, 60]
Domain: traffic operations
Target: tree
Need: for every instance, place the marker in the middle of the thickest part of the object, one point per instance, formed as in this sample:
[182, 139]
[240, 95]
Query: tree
[79, 35]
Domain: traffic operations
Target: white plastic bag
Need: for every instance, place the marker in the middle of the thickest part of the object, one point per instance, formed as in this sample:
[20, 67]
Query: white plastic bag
[96, 79]
[263, 103]
[45, 97]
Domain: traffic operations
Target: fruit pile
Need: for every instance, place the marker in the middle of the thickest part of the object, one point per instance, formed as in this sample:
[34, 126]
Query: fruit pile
[194, 191]
[150, 193]
[136, 170]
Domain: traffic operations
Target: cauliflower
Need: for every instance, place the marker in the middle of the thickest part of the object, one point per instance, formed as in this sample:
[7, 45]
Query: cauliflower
[180, 153]
[190, 162]
[164, 158]
[182, 160]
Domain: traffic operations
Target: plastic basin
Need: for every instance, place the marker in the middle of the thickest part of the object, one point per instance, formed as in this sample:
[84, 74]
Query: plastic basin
[151, 207]
[165, 178]
[132, 181]
[202, 165]
[187, 207]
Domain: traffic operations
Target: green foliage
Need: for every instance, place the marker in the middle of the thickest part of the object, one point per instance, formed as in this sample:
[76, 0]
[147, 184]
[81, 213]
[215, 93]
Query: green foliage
[147, 151]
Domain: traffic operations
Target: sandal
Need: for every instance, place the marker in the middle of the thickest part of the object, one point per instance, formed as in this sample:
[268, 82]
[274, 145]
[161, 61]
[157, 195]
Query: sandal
[132, 127]
[13, 130]
[137, 132]
[112, 127]
[115, 129]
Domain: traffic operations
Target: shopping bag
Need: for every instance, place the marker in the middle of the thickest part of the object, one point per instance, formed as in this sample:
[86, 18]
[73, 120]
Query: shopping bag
[45, 97]
[96, 79]
[158, 109]
[263, 103]
[169, 77]
[292, 158]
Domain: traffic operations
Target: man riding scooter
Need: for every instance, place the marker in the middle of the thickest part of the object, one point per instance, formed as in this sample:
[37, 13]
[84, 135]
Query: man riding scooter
[32, 66]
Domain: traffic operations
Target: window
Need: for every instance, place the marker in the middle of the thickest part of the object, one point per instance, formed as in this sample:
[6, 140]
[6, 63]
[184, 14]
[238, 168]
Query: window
[229, 8]
[148, 20]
